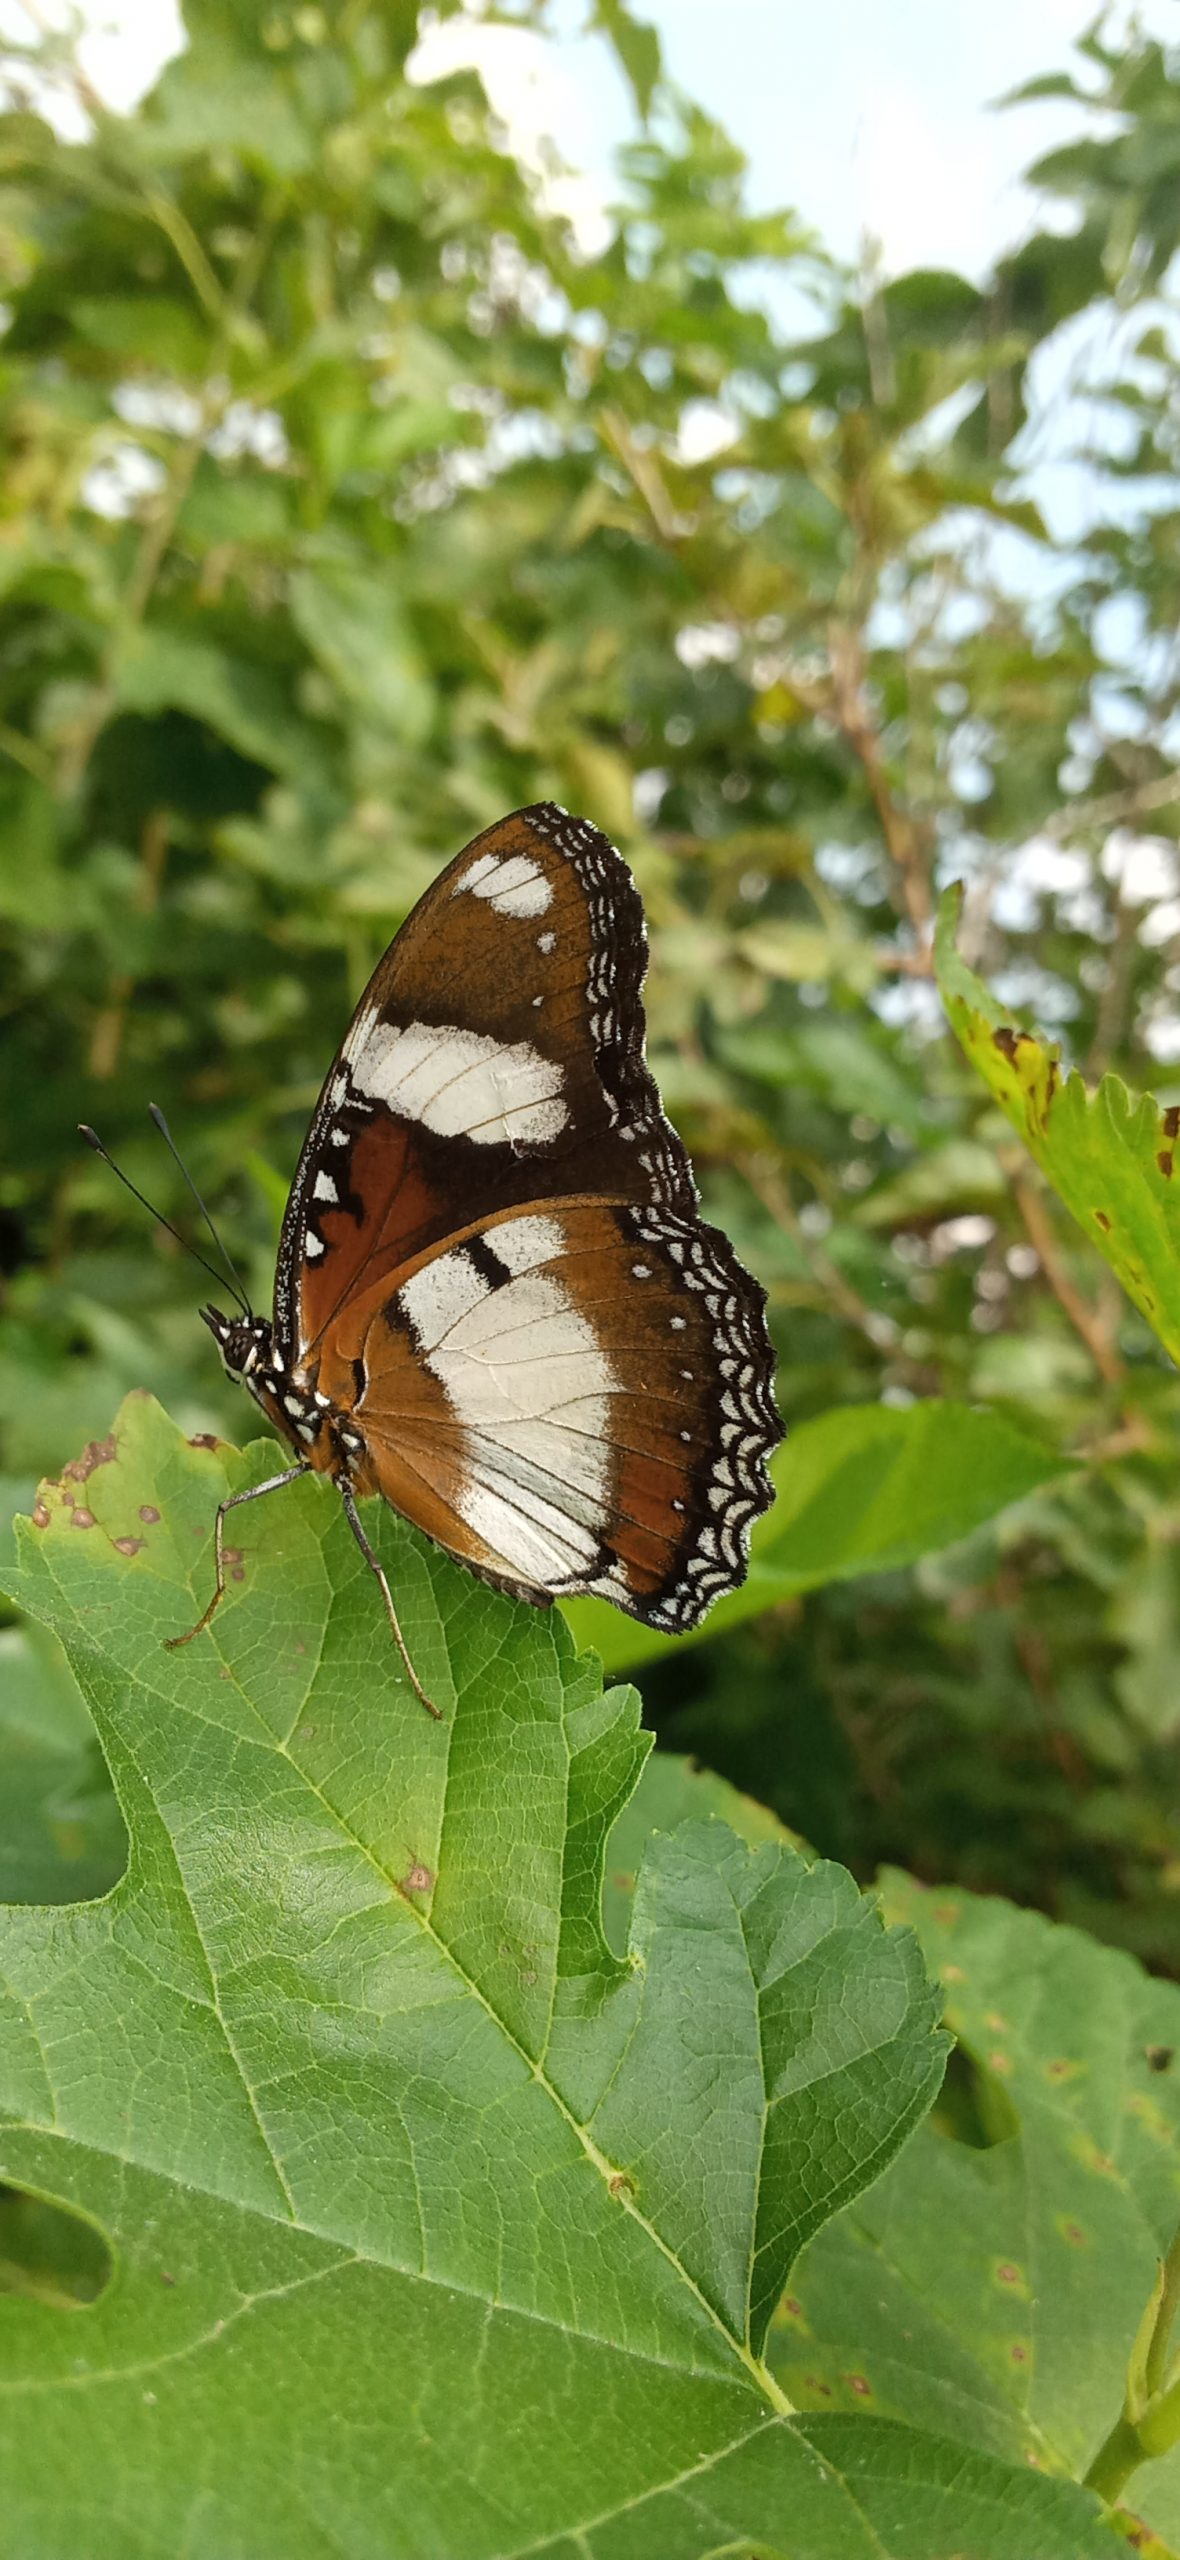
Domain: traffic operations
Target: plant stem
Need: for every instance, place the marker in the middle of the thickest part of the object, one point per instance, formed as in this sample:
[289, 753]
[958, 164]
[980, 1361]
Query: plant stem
[1115, 2461]
[1148, 2424]
[1157, 2353]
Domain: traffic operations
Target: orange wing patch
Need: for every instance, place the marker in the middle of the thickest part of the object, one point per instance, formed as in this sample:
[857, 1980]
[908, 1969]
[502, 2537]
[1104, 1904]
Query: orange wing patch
[552, 1387]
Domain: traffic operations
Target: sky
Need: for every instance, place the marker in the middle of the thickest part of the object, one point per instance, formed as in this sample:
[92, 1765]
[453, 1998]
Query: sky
[871, 117]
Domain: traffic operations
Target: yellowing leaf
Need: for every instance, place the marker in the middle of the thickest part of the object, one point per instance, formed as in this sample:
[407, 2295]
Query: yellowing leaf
[1109, 1154]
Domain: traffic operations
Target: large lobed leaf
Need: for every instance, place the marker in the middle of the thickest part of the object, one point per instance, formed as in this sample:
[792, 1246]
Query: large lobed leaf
[991, 2286]
[1109, 1154]
[861, 1490]
[436, 2229]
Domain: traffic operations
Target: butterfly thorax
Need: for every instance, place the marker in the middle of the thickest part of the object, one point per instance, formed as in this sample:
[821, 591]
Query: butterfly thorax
[313, 1424]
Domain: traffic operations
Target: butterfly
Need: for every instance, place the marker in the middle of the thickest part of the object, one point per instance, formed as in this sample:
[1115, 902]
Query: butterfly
[495, 1302]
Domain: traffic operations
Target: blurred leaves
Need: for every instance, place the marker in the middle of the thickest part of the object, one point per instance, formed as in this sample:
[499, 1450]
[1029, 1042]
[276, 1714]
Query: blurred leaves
[353, 494]
[857, 1492]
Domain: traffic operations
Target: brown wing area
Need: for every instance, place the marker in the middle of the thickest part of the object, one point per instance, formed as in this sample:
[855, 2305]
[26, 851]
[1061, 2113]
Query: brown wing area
[495, 1059]
[575, 1399]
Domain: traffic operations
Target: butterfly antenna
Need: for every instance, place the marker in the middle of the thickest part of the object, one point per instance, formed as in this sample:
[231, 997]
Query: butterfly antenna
[93, 1140]
[155, 1114]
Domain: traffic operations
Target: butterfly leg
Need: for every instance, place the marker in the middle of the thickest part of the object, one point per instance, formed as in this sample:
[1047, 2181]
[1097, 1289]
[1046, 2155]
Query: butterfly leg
[231, 1502]
[353, 1518]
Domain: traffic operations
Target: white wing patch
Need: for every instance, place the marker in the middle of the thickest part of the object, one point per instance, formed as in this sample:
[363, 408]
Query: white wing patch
[512, 884]
[530, 1387]
[439, 1295]
[457, 1083]
[522, 1243]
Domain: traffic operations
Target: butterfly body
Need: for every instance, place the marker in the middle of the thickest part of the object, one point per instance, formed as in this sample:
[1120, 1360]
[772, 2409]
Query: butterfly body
[495, 1302]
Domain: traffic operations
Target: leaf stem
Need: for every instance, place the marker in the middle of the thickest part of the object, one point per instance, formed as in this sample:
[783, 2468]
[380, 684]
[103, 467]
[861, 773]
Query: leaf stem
[1155, 2369]
[1148, 2423]
[1115, 2461]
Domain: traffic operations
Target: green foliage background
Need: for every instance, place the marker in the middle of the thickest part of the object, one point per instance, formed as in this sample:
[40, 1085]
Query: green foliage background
[347, 505]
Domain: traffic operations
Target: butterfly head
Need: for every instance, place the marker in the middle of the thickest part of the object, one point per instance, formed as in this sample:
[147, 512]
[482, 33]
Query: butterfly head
[244, 1342]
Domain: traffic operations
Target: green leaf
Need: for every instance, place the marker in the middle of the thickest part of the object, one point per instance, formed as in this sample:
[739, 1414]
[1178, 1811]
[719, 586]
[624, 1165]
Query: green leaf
[992, 2285]
[839, 1058]
[672, 1790]
[637, 45]
[61, 1833]
[160, 669]
[862, 1490]
[213, 99]
[355, 628]
[1108, 1154]
[345, 2059]
[146, 327]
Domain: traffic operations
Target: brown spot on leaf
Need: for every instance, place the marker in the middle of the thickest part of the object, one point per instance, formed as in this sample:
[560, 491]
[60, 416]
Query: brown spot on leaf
[1160, 2057]
[148, 1514]
[40, 1515]
[814, 2384]
[1000, 2063]
[231, 1556]
[81, 1518]
[237, 1573]
[1059, 2068]
[1073, 2232]
[1101, 1220]
[1172, 1120]
[1005, 1040]
[420, 1878]
[130, 1546]
[165, 2278]
[204, 1440]
[97, 1453]
[792, 2304]
[621, 2184]
[623, 1883]
[1164, 1161]
[857, 2382]
[1018, 2353]
[1007, 2273]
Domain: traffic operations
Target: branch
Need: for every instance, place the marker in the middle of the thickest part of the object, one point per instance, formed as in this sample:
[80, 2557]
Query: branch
[643, 470]
[1085, 1319]
[907, 840]
[1115, 807]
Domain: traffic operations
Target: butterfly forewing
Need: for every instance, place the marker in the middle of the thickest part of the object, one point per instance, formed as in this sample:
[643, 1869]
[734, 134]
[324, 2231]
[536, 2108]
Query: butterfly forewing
[492, 1266]
[495, 1058]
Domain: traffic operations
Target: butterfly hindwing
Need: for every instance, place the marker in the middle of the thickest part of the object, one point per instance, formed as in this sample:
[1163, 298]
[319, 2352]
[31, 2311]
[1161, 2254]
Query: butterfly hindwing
[574, 1399]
